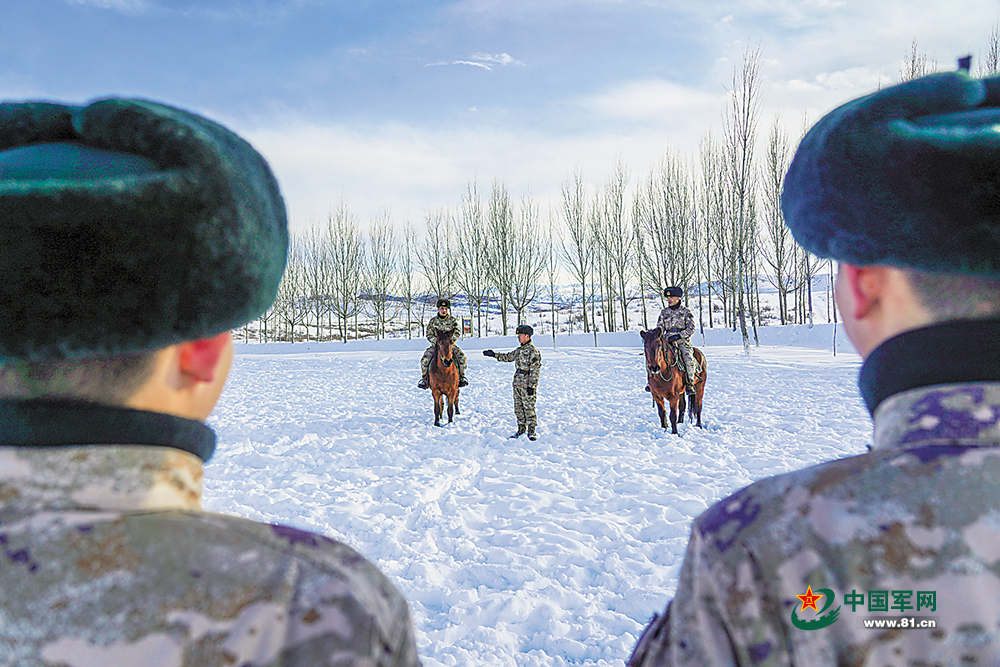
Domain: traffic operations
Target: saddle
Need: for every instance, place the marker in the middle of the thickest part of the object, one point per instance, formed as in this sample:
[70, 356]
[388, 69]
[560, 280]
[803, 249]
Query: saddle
[679, 358]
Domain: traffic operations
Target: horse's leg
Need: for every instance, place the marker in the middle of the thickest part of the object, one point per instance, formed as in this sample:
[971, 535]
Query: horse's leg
[673, 414]
[661, 410]
[696, 401]
[451, 407]
[438, 400]
[681, 407]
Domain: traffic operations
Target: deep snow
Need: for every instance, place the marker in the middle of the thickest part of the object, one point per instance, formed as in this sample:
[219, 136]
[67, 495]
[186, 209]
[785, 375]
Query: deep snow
[511, 552]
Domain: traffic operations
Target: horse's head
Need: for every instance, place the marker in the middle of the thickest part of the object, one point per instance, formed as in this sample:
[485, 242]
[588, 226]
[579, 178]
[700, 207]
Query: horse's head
[652, 349]
[444, 347]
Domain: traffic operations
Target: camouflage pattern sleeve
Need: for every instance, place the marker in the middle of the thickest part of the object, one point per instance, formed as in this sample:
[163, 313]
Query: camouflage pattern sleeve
[533, 363]
[507, 356]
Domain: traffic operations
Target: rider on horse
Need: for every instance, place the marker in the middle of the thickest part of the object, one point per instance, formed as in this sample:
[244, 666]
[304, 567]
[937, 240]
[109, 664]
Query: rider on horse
[443, 321]
[677, 324]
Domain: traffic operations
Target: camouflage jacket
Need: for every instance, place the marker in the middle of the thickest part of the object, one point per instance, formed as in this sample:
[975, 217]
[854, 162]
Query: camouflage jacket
[438, 323]
[527, 362]
[906, 534]
[106, 558]
[676, 320]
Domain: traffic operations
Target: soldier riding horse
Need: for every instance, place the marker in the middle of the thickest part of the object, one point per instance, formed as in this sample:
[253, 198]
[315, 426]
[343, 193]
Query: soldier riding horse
[666, 379]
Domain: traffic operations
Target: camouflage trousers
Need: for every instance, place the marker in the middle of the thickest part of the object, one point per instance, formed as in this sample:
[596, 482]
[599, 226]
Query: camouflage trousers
[456, 354]
[524, 409]
[688, 363]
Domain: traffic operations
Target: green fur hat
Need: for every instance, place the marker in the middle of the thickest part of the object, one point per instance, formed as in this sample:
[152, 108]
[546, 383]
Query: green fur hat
[908, 176]
[127, 226]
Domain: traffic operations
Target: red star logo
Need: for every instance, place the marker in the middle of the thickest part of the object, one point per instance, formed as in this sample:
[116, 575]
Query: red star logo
[809, 600]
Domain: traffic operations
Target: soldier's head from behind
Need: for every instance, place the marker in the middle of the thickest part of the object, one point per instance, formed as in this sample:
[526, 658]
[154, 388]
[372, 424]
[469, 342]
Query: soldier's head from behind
[133, 237]
[444, 307]
[902, 187]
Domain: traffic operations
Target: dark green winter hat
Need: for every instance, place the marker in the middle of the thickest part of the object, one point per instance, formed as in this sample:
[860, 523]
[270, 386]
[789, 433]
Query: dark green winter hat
[524, 329]
[127, 226]
[908, 176]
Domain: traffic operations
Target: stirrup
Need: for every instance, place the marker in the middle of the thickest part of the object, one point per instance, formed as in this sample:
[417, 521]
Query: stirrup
[423, 384]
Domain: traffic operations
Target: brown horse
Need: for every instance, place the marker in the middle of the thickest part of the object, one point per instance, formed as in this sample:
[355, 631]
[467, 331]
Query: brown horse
[666, 380]
[442, 372]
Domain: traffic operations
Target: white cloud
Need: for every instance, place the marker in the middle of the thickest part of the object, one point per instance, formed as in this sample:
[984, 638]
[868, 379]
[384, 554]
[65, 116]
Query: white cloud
[120, 5]
[653, 99]
[411, 170]
[483, 60]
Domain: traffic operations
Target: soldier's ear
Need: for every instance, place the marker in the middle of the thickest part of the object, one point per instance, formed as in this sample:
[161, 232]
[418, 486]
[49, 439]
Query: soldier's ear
[866, 286]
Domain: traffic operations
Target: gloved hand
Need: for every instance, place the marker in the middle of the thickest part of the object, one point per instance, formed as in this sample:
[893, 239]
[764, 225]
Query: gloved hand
[489, 353]
[530, 391]
[672, 337]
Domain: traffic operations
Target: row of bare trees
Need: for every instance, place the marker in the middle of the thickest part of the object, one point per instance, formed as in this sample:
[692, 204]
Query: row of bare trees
[712, 225]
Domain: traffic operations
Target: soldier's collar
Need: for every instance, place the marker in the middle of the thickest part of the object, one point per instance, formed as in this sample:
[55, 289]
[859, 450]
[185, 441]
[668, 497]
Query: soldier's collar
[951, 352]
[60, 423]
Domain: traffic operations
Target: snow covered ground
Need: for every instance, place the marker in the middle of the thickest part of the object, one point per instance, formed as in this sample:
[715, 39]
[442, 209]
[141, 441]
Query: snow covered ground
[511, 552]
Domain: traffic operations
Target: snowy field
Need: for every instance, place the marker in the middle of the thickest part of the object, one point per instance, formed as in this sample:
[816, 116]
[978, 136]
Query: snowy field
[511, 552]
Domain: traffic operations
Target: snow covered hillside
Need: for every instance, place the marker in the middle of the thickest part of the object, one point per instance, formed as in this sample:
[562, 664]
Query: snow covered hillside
[511, 552]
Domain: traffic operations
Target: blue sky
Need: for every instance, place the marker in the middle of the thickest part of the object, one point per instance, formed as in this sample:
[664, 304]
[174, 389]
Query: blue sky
[396, 106]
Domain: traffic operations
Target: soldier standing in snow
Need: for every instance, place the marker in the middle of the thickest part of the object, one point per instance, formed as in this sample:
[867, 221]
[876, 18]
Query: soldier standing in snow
[528, 365]
[677, 324]
[443, 321]
[133, 237]
[902, 187]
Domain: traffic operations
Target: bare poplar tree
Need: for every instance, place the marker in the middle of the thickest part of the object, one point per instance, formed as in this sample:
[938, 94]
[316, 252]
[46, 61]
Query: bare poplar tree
[601, 280]
[437, 257]
[552, 270]
[381, 272]
[989, 63]
[528, 258]
[289, 303]
[777, 247]
[407, 274]
[316, 276]
[915, 63]
[473, 255]
[502, 248]
[347, 263]
[666, 210]
[616, 245]
[740, 138]
[577, 244]
[712, 214]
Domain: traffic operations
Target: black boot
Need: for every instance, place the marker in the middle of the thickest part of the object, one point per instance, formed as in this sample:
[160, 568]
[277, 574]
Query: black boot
[423, 384]
[531, 434]
[520, 431]
[463, 382]
[647, 387]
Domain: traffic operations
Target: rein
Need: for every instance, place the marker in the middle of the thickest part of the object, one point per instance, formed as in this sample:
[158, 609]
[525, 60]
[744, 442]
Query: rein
[662, 353]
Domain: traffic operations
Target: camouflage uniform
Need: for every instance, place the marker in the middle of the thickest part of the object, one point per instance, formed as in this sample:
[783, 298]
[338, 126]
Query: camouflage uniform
[678, 320]
[446, 323]
[919, 512]
[528, 366]
[107, 559]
